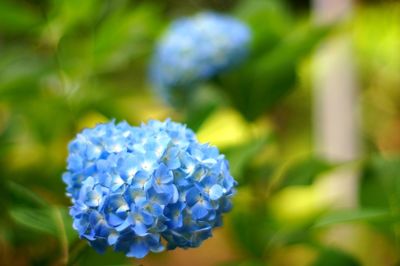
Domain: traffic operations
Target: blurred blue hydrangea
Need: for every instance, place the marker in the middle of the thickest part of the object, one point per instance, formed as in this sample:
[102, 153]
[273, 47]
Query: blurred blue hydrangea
[197, 48]
[132, 186]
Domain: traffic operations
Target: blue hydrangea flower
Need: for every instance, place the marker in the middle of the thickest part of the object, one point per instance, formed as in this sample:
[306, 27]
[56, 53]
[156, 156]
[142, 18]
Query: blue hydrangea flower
[195, 49]
[133, 186]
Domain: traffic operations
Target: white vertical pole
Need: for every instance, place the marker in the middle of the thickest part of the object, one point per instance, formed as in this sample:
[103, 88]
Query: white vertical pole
[335, 103]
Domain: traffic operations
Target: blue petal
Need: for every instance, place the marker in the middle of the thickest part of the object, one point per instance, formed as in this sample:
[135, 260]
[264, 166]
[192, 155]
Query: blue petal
[138, 249]
[188, 164]
[192, 196]
[216, 192]
[199, 174]
[208, 181]
[163, 174]
[153, 242]
[163, 188]
[134, 195]
[102, 165]
[116, 205]
[140, 229]
[199, 211]
[148, 162]
[171, 158]
[175, 194]
[75, 163]
[112, 238]
[152, 208]
[176, 221]
[128, 167]
[94, 217]
[141, 180]
[93, 199]
[102, 230]
[114, 144]
[159, 198]
[93, 152]
[147, 219]
[100, 245]
[123, 226]
[114, 220]
[67, 178]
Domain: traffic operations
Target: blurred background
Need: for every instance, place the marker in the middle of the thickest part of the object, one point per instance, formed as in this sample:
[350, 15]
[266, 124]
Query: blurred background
[310, 123]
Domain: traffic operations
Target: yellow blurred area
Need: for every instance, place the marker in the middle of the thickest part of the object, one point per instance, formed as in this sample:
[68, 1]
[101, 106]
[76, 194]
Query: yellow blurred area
[143, 108]
[90, 120]
[136, 110]
[226, 127]
[243, 197]
[299, 255]
[25, 153]
[297, 204]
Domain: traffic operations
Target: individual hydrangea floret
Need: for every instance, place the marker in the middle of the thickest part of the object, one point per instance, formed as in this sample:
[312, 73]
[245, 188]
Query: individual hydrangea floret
[196, 48]
[133, 186]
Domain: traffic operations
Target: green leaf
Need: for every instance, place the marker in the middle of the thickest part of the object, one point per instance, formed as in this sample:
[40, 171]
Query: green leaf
[275, 18]
[41, 220]
[248, 262]
[380, 183]
[335, 257]
[198, 114]
[304, 172]
[88, 256]
[241, 156]
[199, 105]
[126, 33]
[380, 189]
[23, 196]
[261, 82]
[16, 17]
[48, 221]
[21, 71]
[52, 220]
[253, 229]
[348, 216]
[65, 16]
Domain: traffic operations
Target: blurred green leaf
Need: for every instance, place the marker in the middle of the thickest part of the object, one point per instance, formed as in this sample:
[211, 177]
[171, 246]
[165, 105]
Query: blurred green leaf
[202, 102]
[249, 262]
[54, 221]
[50, 220]
[67, 15]
[18, 17]
[274, 17]
[335, 257]
[198, 114]
[347, 216]
[23, 197]
[241, 156]
[21, 71]
[28, 209]
[380, 189]
[89, 256]
[304, 172]
[124, 35]
[260, 83]
[41, 220]
[253, 230]
[380, 176]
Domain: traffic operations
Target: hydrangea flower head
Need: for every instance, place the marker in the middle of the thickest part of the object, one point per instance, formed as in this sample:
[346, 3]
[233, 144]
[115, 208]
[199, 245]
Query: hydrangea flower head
[196, 48]
[133, 186]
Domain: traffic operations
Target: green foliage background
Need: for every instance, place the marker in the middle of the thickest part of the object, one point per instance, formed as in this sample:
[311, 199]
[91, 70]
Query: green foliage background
[69, 64]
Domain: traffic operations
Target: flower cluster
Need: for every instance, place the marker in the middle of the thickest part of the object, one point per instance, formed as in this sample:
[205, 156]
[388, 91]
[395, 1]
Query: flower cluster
[132, 186]
[197, 48]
